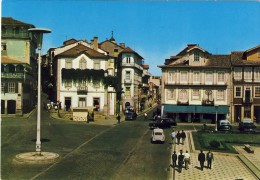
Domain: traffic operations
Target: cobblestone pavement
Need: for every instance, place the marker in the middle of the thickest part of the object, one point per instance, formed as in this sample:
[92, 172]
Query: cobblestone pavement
[225, 166]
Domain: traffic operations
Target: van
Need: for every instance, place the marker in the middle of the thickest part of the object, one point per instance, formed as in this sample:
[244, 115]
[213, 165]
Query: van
[224, 125]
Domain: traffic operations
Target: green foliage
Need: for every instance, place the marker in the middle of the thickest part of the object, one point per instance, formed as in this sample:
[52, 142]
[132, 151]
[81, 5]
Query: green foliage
[112, 81]
[79, 75]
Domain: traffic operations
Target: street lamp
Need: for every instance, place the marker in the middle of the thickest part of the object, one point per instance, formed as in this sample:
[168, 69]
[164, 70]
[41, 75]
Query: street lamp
[216, 108]
[38, 34]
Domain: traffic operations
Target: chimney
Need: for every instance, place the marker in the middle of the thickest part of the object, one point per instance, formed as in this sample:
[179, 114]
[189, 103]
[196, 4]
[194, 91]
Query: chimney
[95, 45]
[122, 45]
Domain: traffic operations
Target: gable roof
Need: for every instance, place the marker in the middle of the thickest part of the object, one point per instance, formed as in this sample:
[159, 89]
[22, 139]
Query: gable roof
[239, 58]
[79, 49]
[189, 48]
[129, 50]
[10, 21]
[251, 49]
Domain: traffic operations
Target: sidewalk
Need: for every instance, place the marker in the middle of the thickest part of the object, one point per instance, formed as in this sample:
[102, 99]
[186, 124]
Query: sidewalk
[225, 166]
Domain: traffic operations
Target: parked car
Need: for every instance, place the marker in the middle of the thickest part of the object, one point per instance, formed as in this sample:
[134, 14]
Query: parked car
[224, 125]
[162, 123]
[158, 135]
[247, 125]
[130, 116]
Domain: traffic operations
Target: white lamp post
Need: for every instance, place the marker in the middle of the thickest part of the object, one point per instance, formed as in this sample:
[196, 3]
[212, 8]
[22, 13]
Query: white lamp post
[216, 107]
[37, 33]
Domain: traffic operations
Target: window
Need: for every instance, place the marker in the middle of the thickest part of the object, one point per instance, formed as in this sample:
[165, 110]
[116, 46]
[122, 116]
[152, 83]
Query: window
[195, 94]
[171, 77]
[11, 87]
[3, 46]
[221, 78]
[68, 64]
[257, 74]
[127, 91]
[96, 65]
[220, 94]
[82, 64]
[238, 91]
[184, 77]
[209, 78]
[196, 56]
[248, 74]
[171, 94]
[116, 50]
[183, 95]
[238, 74]
[16, 30]
[196, 77]
[3, 30]
[82, 102]
[97, 85]
[68, 84]
[127, 75]
[257, 91]
[2, 87]
[128, 60]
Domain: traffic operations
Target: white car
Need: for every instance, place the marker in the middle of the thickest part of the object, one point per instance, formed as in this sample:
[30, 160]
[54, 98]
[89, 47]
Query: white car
[158, 135]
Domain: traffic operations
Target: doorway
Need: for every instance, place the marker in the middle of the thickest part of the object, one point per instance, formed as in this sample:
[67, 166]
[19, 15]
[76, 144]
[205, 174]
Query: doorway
[67, 103]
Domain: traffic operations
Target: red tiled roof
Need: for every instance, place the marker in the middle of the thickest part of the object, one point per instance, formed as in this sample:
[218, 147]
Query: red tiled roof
[129, 50]
[79, 49]
[11, 21]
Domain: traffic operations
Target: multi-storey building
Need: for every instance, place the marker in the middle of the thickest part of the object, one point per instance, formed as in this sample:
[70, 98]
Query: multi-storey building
[77, 71]
[18, 67]
[246, 84]
[196, 85]
[131, 72]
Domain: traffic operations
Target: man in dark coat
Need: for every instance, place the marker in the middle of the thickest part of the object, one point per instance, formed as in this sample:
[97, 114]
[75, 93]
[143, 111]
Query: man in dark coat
[183, 136]
[201, 159]
[180, 160]
[174, 159]
[209, 158]
[178, 136]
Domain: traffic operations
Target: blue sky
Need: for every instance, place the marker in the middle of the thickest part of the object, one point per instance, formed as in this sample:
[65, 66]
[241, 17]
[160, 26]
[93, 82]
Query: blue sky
[155, 29]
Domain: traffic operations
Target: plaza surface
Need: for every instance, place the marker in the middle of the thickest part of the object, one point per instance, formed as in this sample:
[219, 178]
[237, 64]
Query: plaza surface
[225, 166]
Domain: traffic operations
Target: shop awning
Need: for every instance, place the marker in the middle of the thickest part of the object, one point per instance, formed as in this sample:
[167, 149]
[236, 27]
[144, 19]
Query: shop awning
[195, 109]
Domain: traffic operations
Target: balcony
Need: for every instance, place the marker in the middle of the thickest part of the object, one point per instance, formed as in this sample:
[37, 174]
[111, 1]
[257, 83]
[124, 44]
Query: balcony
[194, 83]
[248, 100]
[183, 102]
[12, 75]
[128, 81]
[206, 102]
[82, 90]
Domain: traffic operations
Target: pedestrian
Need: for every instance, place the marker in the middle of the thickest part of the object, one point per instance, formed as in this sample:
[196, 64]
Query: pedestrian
[201, 159]
[118, 118]
[173, 134]
[183, 136]
[180, 160]
[174, 159]
[178, 136]
[87, 119]
[145, 116]
[186, 160]
[209, 158]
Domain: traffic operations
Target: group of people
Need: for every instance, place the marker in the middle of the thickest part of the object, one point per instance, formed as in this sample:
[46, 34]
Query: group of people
[180, 136]
[183, 158]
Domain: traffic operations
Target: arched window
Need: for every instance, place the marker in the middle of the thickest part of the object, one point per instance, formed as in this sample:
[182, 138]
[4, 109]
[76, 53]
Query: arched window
[183, 95]
[82, 63]
[11, 68]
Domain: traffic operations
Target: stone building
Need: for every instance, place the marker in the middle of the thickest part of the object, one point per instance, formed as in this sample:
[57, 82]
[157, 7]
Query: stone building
[18, 67]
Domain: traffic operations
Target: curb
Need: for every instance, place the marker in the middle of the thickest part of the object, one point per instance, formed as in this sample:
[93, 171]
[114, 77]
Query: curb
[249, 165]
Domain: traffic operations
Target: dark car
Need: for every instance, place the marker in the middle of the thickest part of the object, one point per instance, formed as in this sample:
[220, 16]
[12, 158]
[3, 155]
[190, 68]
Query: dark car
[224, 125]
[162, 123]
[247, 125]
[130, 116]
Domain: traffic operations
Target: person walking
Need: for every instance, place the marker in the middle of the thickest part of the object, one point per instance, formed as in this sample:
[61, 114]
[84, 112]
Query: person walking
[186, 160]
[87, 117]
[145, 116]
[183, 136]
[180, 160]
[173, 134]
[209, 158]
[201, 158]
[118, 118]
[174, 159]
[178, 136]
